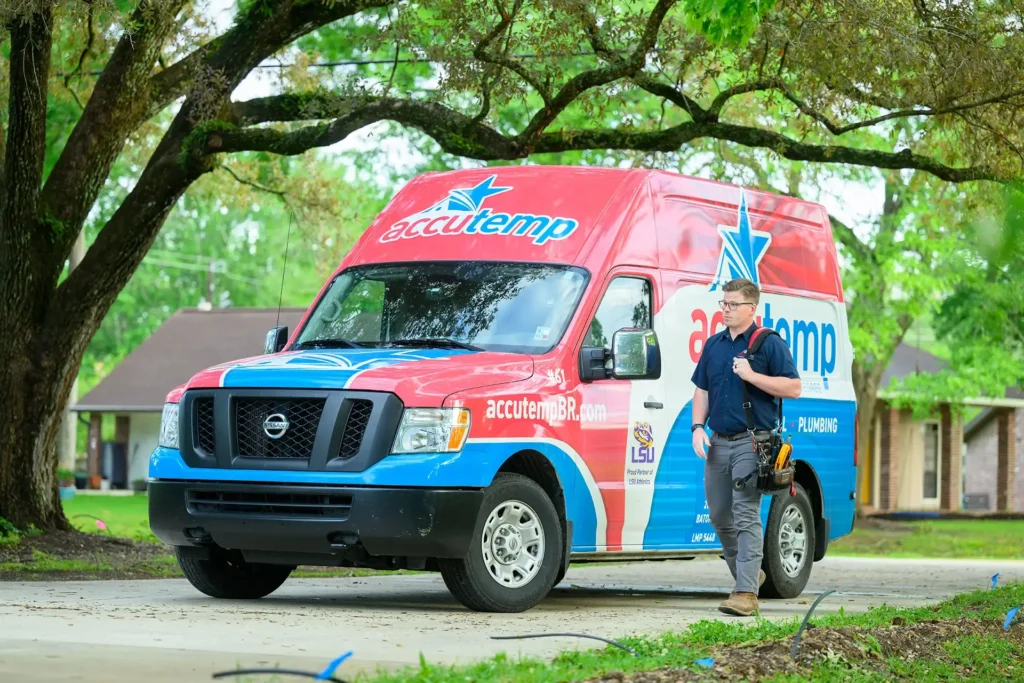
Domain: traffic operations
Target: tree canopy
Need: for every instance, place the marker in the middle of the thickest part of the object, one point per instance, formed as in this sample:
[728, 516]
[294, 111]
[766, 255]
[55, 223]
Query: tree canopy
[149, 86]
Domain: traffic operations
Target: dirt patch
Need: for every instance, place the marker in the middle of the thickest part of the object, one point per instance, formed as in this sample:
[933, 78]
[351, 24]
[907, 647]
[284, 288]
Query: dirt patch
[866, 649]
[74, 555]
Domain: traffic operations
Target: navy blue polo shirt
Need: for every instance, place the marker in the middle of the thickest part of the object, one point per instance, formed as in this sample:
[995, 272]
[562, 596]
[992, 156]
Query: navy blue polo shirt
[725, 393]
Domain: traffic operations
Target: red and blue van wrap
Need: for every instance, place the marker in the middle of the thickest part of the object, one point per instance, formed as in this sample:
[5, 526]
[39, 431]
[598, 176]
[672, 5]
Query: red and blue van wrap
[621, 449]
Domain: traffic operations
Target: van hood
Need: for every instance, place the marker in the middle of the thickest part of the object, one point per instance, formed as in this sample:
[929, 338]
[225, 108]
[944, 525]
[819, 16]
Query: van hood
[420, 377]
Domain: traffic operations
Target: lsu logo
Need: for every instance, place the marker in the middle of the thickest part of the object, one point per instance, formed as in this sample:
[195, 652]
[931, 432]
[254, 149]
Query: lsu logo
[645, 437]
[460, 213]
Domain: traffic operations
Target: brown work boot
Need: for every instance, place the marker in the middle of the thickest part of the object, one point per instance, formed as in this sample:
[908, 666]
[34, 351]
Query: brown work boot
[739, 604]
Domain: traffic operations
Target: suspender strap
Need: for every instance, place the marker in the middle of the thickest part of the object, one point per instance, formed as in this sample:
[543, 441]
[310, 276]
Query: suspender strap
[757, 338]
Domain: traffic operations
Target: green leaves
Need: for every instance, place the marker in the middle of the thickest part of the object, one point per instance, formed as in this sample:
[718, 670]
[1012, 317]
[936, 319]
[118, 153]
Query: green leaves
[726, 23]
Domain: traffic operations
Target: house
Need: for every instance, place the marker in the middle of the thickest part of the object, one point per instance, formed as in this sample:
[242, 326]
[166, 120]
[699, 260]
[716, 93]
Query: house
[938, 463]
[994, 447]
[133, 393]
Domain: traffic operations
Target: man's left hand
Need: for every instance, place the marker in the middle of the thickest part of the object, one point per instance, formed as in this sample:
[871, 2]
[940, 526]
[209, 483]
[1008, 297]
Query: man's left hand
[741, 366]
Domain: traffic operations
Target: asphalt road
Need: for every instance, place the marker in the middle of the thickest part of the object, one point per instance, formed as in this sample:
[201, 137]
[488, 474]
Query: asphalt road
[163, 631]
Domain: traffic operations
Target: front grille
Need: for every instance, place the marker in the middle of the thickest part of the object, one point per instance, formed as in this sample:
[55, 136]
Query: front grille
[204, 425]
[302, 414]
[255, 504]
[355, 428]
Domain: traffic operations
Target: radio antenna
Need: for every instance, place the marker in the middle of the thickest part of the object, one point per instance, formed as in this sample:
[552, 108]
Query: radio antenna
[284, 268]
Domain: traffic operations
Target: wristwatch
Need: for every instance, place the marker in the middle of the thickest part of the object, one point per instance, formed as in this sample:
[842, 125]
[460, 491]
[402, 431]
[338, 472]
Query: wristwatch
[696, 426]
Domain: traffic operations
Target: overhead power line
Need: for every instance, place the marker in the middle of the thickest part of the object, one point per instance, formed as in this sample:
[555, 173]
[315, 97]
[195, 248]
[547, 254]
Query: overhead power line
[404, 60]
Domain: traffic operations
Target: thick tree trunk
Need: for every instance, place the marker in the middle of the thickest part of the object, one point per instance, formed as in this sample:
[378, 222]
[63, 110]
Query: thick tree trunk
[865, 386]
[28, 486]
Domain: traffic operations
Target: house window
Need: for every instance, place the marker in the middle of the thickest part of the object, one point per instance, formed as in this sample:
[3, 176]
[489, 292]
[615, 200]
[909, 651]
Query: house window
[931, 460]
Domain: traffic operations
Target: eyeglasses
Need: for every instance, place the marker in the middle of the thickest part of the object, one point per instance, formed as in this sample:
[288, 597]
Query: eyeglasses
[733, 305]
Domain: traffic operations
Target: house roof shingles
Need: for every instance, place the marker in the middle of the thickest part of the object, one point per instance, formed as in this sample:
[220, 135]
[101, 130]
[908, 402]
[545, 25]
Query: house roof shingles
[907, 360]
[189, 341]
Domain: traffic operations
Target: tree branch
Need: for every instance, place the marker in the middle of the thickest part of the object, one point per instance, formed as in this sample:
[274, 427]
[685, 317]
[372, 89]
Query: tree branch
[260, 32]
[848, 238]
[455, 132]
[171, 83]
[483, 55]
[671, 139]
[84, 297]
[715, 110]
[117, 106]
[596, 77]
[459, 134]
[673, 95]
[900, 114]
[26, 148]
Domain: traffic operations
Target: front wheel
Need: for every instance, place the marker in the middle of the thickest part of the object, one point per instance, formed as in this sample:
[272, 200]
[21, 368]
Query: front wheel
[230, 578]
[513, 559]
[788, 545]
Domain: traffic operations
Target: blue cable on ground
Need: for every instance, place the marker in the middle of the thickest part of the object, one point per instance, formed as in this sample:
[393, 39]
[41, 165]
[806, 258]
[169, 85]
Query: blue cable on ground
[326, 675]
[287, 672]
[796, 641]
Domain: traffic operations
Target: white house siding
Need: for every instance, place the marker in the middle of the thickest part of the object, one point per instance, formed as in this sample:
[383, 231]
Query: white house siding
[144, 434]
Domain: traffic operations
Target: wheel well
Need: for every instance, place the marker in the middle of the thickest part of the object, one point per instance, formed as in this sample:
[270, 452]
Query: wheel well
[535, 466]
[806, 477]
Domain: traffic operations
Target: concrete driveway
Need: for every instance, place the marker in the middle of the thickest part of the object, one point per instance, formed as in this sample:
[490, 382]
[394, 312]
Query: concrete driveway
[166, 632]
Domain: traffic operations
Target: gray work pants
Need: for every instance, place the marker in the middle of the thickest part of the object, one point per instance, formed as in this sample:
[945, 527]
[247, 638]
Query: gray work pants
[735, 515]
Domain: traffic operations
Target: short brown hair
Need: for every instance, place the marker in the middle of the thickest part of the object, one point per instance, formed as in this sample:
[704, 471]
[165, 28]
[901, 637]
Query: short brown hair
[745, 287]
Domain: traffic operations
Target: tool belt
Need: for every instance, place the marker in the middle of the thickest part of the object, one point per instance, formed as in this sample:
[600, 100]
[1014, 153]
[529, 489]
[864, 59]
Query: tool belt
[775, 470]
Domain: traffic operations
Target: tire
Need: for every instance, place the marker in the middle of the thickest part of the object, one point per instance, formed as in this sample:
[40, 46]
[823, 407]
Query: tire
[787, 569]
[511, 503]
[227, 578]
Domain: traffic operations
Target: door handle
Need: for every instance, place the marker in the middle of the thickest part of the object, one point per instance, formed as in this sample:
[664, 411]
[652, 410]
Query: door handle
[653, 404]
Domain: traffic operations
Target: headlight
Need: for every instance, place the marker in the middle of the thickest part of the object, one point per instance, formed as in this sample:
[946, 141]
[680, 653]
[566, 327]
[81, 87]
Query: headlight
[432, 430]
[169, 426]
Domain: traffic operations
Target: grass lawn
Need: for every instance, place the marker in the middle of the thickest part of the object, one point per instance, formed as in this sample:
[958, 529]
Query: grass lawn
[124, 516]
[960, 639]
[119, 544]
[953, 538]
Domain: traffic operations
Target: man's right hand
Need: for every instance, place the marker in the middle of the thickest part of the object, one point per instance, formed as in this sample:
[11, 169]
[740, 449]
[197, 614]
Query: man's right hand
[700, 443]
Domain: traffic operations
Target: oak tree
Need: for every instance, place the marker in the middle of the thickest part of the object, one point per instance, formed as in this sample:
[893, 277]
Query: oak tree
[449, 69]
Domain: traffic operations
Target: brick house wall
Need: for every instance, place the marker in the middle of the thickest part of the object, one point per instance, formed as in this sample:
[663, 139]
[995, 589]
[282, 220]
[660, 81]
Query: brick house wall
[981, 461]
[1019, 470]
[982, 469]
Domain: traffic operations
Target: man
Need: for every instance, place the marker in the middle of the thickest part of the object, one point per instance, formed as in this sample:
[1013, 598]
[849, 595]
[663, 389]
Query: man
[718, 402]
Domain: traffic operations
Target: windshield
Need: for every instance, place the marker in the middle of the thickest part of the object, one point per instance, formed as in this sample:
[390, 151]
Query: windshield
[511, 307]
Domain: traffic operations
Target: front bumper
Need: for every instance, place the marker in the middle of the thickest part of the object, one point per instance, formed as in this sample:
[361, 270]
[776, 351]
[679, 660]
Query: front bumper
[304, 520]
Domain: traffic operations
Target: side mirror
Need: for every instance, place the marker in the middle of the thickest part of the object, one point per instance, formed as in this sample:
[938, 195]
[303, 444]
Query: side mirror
[277, 338]
[593, 364]
[635, 354]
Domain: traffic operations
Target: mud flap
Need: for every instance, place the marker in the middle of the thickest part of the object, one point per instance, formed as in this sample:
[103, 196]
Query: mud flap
[821, 529]
[567, 552]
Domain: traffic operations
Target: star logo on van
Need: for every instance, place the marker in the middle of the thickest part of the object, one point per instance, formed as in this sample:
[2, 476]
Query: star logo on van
[742, 249]
[468, 199]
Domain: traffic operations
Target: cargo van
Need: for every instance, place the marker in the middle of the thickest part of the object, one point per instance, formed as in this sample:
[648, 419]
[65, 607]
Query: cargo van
[496, 382]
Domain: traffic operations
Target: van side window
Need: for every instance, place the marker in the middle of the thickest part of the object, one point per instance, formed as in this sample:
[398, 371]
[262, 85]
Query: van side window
[626, 303]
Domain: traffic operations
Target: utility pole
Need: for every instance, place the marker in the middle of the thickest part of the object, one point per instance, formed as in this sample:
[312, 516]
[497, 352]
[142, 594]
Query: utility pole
[67, 441]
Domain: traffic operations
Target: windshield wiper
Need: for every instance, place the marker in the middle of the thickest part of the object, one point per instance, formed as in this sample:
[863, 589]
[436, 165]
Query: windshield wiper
[328, 344]
[439, 341]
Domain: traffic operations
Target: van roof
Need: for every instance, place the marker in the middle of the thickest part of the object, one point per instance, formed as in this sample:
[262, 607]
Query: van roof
[587, 216]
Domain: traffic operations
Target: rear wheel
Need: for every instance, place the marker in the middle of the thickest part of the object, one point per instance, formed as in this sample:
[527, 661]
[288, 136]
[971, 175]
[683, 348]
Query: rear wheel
[788, 545]
[513, 559]
[232, 578]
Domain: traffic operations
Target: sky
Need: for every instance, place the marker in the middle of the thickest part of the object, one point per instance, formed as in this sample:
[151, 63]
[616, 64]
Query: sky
[856, 204]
